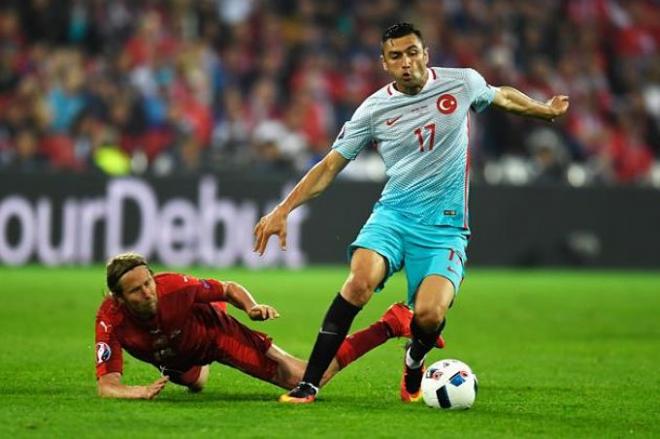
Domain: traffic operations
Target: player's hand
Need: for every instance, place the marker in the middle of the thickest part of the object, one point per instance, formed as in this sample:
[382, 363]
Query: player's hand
[272, 224]
[558, 106]
[153, 389]
[263, 312]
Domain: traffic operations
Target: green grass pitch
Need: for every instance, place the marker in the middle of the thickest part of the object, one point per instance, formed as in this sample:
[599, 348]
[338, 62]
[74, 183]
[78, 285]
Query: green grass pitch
[557, 353]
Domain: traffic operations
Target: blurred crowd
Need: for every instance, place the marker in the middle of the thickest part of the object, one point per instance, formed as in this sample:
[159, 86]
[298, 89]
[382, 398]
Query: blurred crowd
[146, 86]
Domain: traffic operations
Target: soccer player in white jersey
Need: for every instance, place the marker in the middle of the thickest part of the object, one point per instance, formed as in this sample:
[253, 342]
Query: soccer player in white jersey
[420, 123]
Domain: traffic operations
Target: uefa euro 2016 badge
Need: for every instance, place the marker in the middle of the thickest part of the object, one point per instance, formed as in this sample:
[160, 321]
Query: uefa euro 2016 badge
[103, 352]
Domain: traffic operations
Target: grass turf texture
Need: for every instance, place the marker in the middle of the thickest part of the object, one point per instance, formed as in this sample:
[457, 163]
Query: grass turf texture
[558, 354]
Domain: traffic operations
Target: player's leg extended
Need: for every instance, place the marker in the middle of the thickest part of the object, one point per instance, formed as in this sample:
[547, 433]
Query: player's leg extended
[368, 269]
[395, 322]
[432, 301]
[289, 368]
[253, 353]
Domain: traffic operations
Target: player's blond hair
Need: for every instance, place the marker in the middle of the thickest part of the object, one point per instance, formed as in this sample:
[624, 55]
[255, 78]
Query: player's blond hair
[119, 266]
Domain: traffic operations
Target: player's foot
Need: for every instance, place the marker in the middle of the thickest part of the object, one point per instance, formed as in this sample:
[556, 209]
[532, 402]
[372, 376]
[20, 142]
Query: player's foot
[398, 318]
[303, 393]
[411, 383]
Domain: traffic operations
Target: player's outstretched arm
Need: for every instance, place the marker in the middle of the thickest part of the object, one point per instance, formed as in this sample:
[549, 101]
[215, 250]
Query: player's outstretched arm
[110, 386]
[311, 185]
[241, 298]
[514, 101]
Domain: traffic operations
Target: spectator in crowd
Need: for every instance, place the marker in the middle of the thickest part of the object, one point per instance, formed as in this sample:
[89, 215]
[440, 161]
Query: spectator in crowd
[215, 84]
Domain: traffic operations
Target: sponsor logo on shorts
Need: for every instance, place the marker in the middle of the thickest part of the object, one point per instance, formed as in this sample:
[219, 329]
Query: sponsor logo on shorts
[103, 352]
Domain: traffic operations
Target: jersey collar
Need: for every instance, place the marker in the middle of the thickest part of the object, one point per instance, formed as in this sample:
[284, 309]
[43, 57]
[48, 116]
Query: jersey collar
[392, 91]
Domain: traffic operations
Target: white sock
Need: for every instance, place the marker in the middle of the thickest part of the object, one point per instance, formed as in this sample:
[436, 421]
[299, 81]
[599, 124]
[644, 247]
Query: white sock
[412, 363]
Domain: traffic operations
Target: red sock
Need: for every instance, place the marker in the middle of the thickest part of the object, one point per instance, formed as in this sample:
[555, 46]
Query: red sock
[356, 345]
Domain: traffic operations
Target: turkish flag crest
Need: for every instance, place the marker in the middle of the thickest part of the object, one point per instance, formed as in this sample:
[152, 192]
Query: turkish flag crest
[446, 104]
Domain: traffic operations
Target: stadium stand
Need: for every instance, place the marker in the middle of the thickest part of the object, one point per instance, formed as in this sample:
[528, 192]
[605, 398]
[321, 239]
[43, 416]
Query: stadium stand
[160, 87]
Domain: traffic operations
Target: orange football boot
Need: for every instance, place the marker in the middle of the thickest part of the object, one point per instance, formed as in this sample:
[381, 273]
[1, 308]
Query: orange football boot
[303, 393]
[411, 378]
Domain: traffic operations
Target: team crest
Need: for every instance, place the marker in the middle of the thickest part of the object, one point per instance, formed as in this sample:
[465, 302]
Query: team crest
[446, 104]
[103, 352]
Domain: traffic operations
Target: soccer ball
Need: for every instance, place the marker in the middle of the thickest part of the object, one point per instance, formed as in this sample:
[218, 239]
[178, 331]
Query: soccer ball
[449, 384]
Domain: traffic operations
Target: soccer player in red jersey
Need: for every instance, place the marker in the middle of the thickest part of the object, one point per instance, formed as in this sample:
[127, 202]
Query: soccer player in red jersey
[179, 324]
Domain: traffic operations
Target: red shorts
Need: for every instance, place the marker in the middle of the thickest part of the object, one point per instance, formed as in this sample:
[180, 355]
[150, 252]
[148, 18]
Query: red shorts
[187, 378]
[237, 346]
[244, 349]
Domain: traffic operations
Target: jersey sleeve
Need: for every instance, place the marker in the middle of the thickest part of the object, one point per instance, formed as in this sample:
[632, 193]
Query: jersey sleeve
[481, 94]
[209, 290]
[182, 289]
[107, 348]
[355, 134]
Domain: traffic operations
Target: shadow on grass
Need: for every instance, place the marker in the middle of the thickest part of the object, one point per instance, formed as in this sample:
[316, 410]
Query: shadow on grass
[213, 396]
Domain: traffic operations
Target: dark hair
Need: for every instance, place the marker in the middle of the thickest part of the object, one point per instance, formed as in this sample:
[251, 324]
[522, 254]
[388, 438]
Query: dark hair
[400, 30]
[119, 266]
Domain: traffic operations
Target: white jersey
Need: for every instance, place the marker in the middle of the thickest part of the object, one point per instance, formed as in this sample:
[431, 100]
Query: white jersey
[423, 140]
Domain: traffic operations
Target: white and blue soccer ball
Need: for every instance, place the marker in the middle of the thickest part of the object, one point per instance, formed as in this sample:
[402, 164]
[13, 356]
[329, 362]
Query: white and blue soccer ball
[449, 384]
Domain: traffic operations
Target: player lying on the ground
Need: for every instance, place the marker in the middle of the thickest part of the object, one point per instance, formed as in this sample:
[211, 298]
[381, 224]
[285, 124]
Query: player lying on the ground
[179, 324]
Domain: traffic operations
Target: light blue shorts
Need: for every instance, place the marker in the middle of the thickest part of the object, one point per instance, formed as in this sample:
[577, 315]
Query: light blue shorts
[423, 249]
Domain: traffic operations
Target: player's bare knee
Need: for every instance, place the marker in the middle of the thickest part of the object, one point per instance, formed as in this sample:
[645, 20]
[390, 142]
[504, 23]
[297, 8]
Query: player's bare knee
[357, 290]
[430, 319]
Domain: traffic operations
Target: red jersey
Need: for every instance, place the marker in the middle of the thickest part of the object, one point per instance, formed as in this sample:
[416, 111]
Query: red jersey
[183, 333]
